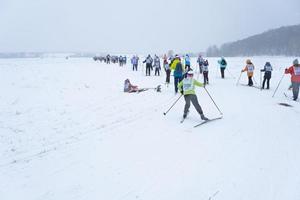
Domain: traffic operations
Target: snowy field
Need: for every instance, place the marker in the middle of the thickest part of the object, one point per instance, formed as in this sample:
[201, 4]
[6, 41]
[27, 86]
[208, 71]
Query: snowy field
[67, 131]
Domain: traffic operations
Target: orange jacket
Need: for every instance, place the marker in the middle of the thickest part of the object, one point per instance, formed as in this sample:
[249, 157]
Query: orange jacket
[250, 69]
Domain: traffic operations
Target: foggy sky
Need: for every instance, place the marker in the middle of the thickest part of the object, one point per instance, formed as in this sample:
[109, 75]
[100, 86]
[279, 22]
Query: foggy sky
[136, 26]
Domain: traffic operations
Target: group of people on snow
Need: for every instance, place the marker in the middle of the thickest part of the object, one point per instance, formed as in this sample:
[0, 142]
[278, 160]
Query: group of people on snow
[185, 83]
[152, 63]
[293, 70]
[111, 59]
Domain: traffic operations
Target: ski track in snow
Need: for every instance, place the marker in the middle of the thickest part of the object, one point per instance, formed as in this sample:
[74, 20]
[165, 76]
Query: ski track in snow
[67, 131]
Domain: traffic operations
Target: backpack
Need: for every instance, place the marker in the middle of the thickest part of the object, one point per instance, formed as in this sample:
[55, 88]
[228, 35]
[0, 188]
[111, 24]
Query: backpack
[178, 68]
[223, 62]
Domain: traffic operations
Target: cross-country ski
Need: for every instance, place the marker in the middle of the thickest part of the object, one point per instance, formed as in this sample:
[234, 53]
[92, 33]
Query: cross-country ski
[206, 121]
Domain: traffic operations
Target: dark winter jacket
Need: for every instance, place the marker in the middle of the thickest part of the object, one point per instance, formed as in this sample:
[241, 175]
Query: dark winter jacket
[268, 70]
[148, 60]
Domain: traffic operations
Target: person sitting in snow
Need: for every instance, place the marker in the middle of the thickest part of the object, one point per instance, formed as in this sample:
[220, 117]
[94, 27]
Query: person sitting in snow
[250, 70]
[187, 88]
[128, 87]
[294, 70]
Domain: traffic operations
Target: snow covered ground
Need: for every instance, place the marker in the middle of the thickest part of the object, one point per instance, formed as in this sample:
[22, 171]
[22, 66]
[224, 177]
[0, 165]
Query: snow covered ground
[67, 131]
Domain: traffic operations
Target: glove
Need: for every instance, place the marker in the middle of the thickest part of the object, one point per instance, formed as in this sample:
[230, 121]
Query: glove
[181, 92]
[261, 70]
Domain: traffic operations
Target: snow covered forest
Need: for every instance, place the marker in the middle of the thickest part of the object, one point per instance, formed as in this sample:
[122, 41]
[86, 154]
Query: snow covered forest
[275, 42]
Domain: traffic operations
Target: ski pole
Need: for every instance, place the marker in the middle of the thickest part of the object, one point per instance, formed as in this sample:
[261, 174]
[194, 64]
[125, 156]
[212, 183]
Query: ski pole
[173, 104]
[158, 88]
[238, 81]
[278, 85]
[254, 80]
[213, 101]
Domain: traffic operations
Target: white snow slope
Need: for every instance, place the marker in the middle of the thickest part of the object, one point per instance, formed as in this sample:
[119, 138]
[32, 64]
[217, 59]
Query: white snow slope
[67, 131]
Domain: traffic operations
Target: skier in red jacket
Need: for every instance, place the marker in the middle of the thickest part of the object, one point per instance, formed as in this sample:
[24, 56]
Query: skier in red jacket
[294, 70]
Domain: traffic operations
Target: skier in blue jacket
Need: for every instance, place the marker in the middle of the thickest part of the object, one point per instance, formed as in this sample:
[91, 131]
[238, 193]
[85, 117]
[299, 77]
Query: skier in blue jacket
[223, 64]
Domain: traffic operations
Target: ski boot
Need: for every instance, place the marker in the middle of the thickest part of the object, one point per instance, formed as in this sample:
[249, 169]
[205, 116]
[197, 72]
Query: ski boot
[185, 114]
[203, 117]
[158, 88]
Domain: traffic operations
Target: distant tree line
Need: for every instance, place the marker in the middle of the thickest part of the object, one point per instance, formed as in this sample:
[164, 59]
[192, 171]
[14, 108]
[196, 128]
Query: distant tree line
[43, 55]
[281, 41]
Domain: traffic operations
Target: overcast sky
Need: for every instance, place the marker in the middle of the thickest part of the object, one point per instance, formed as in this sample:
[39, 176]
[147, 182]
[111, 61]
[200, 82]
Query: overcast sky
[136, 26]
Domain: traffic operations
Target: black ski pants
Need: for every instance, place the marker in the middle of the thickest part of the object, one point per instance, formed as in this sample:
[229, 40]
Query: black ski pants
[168, 73]
[250, 82]
[222, 72]
[205, 75]
[148, 69]
[267, 78]
[200, 68]
[156, 71]
[134, 67]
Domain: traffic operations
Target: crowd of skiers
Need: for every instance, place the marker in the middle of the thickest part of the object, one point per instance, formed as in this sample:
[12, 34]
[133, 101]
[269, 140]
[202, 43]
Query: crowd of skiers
[122, 60]
[183, 74]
